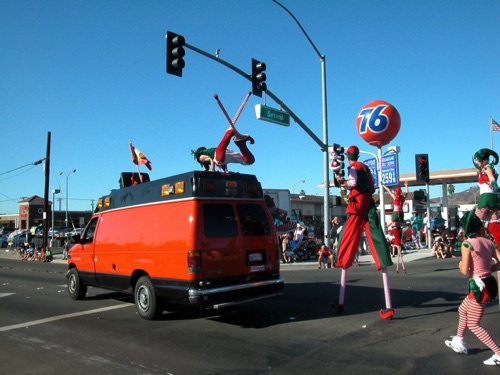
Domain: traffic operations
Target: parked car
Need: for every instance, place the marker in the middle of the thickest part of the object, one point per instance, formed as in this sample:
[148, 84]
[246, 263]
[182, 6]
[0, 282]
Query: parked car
[4, 241]
[17, 238]
[57, 232]
[36, 230]
[6, 230]
[65, 232]
[76, 232]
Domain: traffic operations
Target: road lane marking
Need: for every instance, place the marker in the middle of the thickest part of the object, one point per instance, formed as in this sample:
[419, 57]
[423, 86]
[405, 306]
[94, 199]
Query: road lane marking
[60, 317]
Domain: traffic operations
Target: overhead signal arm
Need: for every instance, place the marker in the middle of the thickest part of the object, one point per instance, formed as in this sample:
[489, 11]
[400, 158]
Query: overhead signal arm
[268, 92]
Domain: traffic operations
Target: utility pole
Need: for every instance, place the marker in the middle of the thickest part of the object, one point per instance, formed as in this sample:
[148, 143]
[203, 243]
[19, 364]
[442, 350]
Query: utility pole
[326, 171]
[45, 221]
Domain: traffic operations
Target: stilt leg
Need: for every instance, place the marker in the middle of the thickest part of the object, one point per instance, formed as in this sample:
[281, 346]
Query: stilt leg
[340, 306]
[400, 255]
[388, 312]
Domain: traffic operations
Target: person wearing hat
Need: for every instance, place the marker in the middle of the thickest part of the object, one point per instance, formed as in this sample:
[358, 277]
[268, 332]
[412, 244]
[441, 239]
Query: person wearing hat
[362, 214]
[477, 253]
[416, 223]
[298, 234]
[489, 198]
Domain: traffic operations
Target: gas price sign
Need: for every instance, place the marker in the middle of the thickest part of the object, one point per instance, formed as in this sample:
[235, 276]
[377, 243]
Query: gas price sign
[390, 173]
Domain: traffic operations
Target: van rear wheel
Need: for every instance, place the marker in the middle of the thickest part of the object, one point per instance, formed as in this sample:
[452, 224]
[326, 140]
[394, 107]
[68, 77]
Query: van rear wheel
[147, 303]
[76, 287]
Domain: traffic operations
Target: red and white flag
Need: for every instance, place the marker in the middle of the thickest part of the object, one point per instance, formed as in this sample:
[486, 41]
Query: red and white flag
[495, 126]
[139, 158]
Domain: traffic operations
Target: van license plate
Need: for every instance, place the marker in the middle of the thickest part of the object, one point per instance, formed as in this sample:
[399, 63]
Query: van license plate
[257, 268]
[255, 257]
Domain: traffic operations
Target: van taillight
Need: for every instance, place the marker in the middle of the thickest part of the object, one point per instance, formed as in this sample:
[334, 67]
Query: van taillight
[194, 261]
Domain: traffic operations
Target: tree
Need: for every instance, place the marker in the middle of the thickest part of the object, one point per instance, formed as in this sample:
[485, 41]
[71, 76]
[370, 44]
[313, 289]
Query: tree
[451, 189]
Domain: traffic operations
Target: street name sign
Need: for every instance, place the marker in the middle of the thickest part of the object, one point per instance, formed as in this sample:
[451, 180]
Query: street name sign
[269, 114]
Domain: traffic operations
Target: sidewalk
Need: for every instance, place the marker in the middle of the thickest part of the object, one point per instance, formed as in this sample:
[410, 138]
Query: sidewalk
[409, 255]
[12, 254]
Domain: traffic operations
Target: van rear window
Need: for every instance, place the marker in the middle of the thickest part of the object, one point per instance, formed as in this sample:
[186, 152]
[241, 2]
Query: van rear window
[253, 220]
[219, 220]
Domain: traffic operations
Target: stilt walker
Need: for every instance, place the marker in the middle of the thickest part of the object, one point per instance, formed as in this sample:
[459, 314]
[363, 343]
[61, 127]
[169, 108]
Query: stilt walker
[362, 215]
[489, 195]
[397, 232]
[378, 122]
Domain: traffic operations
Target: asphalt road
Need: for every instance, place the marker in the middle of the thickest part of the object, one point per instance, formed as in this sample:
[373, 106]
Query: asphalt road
[43, 331]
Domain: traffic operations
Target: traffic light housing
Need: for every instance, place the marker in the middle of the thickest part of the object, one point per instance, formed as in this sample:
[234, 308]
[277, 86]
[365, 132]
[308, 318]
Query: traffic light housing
[175, 53]
[337, 201]
[422, 167]
[258, 77]
[339, 155]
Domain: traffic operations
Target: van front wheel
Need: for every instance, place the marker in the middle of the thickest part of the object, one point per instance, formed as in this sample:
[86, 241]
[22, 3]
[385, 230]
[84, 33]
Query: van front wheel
[147, 303]
[76, 288]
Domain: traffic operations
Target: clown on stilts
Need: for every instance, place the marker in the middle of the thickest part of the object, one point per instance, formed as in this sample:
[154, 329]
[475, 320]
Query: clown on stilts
[220, 156]
[489, 198]
[362, 215]
[397, 220]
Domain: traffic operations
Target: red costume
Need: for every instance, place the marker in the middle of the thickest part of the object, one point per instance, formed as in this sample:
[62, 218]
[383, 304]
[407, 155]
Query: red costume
[362, 215]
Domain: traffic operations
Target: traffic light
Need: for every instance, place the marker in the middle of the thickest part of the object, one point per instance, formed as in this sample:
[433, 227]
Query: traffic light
[339, 155]
[337, 201]
[258, 77]
[175, 53]
[422, 167]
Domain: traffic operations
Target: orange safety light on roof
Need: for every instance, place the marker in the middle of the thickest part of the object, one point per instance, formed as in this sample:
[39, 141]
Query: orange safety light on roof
[179, 187]
[107, 201]
[166, 190]
[100, 203]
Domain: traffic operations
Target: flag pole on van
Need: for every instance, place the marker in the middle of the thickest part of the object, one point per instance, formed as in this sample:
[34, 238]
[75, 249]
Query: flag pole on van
[139, 158]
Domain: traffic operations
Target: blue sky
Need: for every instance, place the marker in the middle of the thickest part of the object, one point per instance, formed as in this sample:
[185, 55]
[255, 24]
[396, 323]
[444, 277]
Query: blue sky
[93, 74]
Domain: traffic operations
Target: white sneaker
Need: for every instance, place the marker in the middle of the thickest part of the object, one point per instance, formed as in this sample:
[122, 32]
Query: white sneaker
[493, 361]
[457, 344]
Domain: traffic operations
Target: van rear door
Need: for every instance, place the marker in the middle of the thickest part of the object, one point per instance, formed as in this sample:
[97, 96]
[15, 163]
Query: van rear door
[237, 239]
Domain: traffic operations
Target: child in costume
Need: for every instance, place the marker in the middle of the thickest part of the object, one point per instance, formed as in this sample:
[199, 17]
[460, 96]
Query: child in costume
[362, 214]
[477, 252]
[489, 198]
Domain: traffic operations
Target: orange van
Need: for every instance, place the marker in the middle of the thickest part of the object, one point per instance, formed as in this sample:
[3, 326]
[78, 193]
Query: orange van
[200, 238]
